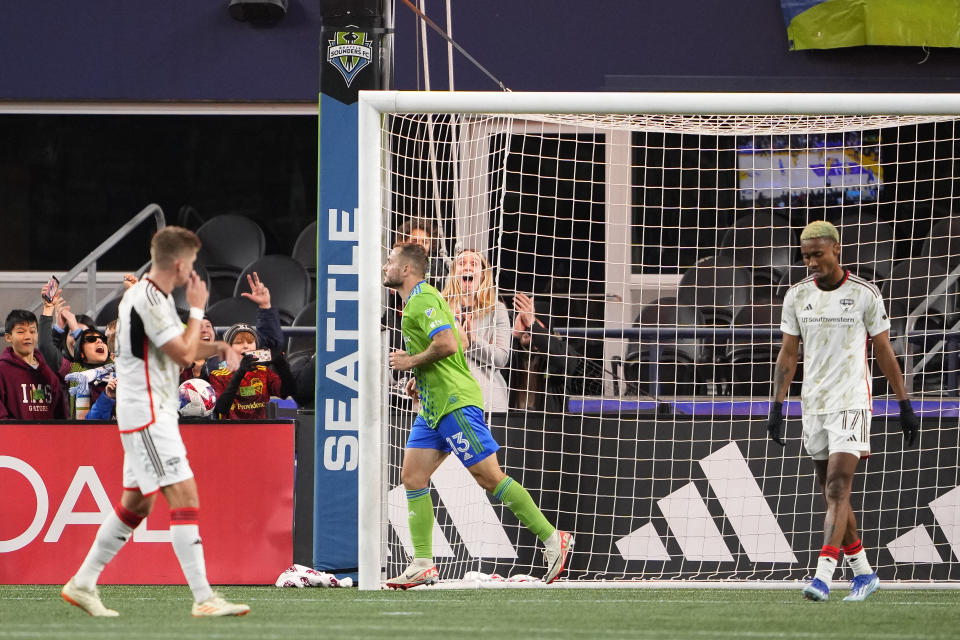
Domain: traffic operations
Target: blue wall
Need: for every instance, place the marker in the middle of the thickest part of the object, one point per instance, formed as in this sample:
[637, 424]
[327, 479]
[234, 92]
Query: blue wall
[193, 50]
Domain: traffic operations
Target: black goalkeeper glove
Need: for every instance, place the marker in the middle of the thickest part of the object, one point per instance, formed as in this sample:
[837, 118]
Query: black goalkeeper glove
[775, 423]
[909, 423]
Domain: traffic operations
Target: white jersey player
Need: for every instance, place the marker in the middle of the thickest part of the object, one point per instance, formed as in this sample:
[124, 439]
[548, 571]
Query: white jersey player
[152, 347]
[836, 314]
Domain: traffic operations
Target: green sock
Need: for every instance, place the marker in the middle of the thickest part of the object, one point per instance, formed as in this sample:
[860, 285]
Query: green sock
[517, 499]
[420, 514]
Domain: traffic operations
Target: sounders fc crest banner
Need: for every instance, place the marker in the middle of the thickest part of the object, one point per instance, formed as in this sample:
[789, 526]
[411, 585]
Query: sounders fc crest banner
[349, 52]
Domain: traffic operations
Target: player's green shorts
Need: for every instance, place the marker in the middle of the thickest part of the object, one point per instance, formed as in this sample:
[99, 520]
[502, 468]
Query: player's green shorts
[463, 431]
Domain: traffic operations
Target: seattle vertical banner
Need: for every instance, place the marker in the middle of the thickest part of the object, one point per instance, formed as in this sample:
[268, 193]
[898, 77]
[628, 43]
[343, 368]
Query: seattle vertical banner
[349, 61]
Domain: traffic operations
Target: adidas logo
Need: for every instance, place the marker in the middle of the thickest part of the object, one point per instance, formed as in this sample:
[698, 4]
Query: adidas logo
[916, 545]
[809, 307]
[468, 508]
[694, 528]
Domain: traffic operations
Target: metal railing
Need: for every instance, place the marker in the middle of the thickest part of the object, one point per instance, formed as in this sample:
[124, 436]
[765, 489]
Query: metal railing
[89, 263]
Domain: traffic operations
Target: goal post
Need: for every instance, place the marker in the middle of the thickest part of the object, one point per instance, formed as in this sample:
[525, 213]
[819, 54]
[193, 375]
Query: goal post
[672, 221]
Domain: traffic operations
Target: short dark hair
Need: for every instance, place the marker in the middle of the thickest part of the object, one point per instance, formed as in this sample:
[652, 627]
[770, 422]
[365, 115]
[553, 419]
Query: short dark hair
[18, 316]
[83, 318]
[414, 255]
[405, 230]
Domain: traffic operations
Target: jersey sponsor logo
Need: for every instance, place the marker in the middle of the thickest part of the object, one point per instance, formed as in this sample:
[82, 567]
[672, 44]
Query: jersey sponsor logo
[809, 307]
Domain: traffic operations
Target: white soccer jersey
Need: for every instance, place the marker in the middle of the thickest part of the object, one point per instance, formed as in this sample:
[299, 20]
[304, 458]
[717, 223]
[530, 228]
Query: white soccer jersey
[834, 326]
[147, 379]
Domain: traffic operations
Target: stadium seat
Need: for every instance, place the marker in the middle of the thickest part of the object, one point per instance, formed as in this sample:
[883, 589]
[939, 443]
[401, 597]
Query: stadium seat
[674, 358]
[231, 311]
[716, 287]
[764, 243]
[941, 244]
[791, 276]
[748, 360]
[230, 242]
[108, 313]
[866, 247]
[305, 252]
[307, 317]
[287, 279]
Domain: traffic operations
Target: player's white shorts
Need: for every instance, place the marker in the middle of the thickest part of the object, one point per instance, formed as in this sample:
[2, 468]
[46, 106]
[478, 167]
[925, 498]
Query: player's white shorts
[840, 432]
[154, 457]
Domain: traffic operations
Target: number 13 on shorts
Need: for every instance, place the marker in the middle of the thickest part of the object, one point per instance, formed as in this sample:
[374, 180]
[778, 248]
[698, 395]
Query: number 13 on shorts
[458, 443]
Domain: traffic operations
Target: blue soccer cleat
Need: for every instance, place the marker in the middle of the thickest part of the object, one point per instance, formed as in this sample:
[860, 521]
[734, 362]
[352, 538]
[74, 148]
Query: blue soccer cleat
[863, 586]
[817, 591]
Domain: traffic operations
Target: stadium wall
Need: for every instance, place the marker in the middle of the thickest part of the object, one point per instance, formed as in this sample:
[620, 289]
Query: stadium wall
[188, 50]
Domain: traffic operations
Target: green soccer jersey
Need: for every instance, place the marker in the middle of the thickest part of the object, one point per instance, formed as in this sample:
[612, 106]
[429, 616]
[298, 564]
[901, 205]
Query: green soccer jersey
[446, 384]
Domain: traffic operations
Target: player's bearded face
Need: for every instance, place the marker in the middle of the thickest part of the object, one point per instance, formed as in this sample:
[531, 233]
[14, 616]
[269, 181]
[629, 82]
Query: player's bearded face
[392, 272]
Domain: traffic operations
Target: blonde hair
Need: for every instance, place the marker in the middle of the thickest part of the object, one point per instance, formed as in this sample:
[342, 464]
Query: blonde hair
[486, 292]
[171, 243]
[820, 229]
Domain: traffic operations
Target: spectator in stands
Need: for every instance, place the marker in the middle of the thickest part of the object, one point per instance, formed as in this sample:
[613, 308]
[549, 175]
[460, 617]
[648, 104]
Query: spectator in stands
[105, 408]
[201, 368]
[244, 394]
[91, 369]
[484, 325]
[423, 231]
[46, 342]
[29, 389]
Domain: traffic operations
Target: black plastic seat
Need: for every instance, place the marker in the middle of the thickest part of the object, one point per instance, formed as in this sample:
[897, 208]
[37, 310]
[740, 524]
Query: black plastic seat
[866, 247]
[790, 277]
[108, 313]
[287, 279]
[716, 287]
[673, 357]
[305, 248]
[230, 242]
[944, 242]
[750, 359]
[307, 317]
[228, 311]
[765, 243]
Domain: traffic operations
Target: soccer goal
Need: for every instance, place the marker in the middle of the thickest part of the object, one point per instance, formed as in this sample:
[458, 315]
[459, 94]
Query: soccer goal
[654, 236]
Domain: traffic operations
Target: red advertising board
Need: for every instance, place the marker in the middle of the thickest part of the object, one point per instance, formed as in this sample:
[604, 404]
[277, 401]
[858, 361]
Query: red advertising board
[58, 482]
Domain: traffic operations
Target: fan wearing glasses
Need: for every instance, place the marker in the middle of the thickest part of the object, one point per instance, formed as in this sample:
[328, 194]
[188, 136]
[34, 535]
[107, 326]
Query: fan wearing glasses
[91, 373]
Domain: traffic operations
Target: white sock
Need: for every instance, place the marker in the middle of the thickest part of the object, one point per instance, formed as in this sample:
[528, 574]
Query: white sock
[423, 563]
[111, 536]
[185, 535]
[859, 563]
[825, 567]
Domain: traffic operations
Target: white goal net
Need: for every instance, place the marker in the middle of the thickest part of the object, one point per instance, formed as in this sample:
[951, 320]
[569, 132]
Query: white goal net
[655, 236]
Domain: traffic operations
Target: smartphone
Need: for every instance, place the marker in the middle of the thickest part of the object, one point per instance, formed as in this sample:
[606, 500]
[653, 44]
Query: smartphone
[262, 355]
[49, 290]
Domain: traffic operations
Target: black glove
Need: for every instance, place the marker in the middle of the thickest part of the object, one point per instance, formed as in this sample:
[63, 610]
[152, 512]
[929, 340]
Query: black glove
[247, 363]
[775, 423]
[909, 423]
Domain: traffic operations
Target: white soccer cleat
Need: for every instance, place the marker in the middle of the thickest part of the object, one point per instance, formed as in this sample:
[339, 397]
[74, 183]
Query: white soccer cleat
[555, 552]
[215, 606]
[414, 576]
[862, 587]
[86, 599]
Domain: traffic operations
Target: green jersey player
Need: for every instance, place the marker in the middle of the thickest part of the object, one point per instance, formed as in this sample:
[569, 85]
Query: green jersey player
[450, 420]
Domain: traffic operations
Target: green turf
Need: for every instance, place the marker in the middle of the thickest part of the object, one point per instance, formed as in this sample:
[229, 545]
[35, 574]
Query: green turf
[163, 612]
